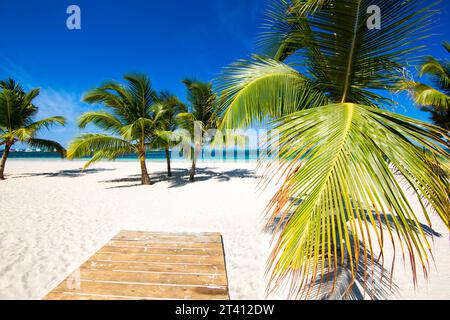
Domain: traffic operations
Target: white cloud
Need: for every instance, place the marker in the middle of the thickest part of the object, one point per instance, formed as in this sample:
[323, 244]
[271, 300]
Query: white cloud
[59, 103]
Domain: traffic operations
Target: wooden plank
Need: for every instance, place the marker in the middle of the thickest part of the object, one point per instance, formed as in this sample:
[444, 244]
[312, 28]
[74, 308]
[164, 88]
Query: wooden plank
[146, 291]
[173, 259]
[160, 251]
[168, 245]
[168, 238]
[154, 267]
[153, 278]
[78, 296]
[139, 265]
[145, 235]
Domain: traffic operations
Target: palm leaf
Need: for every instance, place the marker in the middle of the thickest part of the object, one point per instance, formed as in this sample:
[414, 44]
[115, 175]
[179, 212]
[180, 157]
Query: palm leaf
[47, 145]
[285, 31]
[353, 60]
[437, 70]
[101, 119]
[46, 123]
[336, 159]
[108, 146]
[263, 88]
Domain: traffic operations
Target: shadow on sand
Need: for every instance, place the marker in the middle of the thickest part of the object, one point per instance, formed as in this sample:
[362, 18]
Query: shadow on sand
[75, 173]
[180, 177]
[376, 284]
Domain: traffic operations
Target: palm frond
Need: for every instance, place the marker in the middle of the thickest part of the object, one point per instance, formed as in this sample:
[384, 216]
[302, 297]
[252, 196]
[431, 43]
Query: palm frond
[264, 89]
[138, 130]
[285, 31]
[106, 155]
[112, 95]
[202, 100]
[446, 46]
[425, 95]
[352, 58]
[21, 134]
[336, 159]
[140, 88]
[47, 145]
[46, 123]
[437, 70]
[87, 144]
[101, 119]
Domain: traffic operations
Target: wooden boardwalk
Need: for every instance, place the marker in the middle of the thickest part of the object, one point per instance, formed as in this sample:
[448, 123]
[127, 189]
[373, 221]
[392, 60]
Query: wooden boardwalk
[151, 266]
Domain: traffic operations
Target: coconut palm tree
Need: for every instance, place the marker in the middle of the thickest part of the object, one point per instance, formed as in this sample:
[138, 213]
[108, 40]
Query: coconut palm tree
[202, 116]
[165, 137]
[322, 79]
[17, 123]
[439, 117]
[434, 99]
[131, 117]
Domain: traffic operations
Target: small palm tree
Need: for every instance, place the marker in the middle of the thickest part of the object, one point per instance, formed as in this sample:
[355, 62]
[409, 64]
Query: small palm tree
[131, 118]
[321, 80]
[165, 136]
[435, 99]
[202, 116]
[17, 122]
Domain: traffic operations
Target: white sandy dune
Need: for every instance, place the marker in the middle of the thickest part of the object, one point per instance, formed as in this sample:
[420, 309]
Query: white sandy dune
[54, 217]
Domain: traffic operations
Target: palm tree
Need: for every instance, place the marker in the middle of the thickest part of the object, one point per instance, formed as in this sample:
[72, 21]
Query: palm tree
[165, 136]
[131, 118]
[321, 81]
[202, 116]
[436, 99]
[439, 117]
[17, 123]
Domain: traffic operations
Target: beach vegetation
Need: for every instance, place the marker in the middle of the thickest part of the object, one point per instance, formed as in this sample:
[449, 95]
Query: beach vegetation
[434, 98]
[325, 81]
[203, 115]
[131, 118]
[18, 124]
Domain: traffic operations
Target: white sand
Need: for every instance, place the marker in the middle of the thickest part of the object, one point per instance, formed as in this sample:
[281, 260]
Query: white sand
[53, 218]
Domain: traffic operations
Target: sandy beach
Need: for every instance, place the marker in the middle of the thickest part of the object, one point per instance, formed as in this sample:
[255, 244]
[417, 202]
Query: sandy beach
[53, 217]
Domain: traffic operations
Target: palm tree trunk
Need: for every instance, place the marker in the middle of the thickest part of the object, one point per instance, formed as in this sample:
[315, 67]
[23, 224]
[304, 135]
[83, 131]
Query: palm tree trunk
[3, 161]
[169, 170]
[145, 178]
[194, 163]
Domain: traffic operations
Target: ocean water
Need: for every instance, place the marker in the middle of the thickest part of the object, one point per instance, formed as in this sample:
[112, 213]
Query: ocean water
[249, 155]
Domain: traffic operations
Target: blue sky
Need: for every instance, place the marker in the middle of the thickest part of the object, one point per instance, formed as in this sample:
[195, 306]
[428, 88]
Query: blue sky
[168, 40]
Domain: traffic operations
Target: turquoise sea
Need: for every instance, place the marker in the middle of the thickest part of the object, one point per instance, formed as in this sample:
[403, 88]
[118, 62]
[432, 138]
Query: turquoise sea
[249, 155]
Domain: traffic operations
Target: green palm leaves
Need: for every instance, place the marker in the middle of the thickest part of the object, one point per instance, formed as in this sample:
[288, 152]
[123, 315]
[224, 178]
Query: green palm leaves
[203, 115]
[168, 109]
[346, 188]
[248, 99]
[434, 98]
[340, 150]
[136, 118]
[128, 119]
[17, 123]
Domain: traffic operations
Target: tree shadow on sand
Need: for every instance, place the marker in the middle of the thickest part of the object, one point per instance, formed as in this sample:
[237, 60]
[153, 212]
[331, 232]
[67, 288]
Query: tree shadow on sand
[75, 173]
[180, 177]
[339, 284]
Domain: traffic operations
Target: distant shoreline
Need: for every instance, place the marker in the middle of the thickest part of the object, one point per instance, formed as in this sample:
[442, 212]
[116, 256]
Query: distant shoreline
[226, 156]
[156, 156]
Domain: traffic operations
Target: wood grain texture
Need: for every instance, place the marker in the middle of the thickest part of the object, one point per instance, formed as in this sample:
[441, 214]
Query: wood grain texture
[137, 265]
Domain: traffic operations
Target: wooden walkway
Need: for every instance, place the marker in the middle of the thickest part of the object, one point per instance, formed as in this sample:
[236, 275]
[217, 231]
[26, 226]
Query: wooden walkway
[151, 266]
